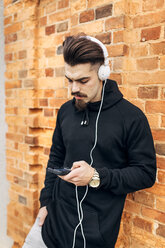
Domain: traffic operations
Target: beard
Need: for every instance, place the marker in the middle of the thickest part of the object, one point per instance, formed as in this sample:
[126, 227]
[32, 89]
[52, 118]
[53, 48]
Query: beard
[80, 105]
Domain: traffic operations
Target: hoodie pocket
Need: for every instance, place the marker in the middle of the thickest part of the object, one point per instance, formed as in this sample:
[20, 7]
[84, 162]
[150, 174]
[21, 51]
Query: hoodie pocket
[92, 230]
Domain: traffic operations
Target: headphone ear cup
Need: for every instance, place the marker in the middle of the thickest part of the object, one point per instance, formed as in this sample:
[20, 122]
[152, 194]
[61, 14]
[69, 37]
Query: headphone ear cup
[103, 72]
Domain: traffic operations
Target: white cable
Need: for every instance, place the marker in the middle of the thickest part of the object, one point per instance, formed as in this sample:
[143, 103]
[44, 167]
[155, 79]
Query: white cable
[79, 204]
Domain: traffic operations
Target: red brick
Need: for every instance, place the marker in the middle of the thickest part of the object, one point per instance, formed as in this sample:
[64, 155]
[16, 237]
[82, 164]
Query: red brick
[47, 151]
[31, 177]
[13, 28]
[161, 162]
[48, 112]
[158, 134]
[43, 21]
[43, 102]
[157, 189]
[14, 136]
[161, 177]
[145, 78]
[118, 36]
[153, 214]
[50, 52]
[118, 50]
[49, 93]
[10, 38]
[149, 19]
[155, 107]
[87, 16]
[104, 38]
[116, 77]
[160, 203]
[8, 57]
[162, 62]
[148, 92]
[103, 11]
[61, 27]
[147, 63]
[61, 93]
[161, 230]
[7, 20]
[162, 121]
[22, 74]
[127, 221]
[59, 71]
[139, 51]
[20, 182]
[150, 33]
[59, 16]
[149, 5]
[114, 23]
[50, 30]
[143, 224]
[160, 149]
[29, 83]
[118, 64]
[51, 7]
[22, 199]
[144, 198]
[63, 4]
[74, 19]
[56, 102]
[49, 72]
[31, 140]
[132, 207]
[157, 48]
[22, 54]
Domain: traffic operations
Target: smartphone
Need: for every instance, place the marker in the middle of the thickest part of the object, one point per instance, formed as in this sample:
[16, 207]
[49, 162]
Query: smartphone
[59, 171]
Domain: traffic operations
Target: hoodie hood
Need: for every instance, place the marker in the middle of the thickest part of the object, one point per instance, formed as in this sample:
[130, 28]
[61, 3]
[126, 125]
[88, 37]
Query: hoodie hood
[112, 95]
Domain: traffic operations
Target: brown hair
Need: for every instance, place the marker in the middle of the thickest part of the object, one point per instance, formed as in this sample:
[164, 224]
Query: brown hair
[80, 50]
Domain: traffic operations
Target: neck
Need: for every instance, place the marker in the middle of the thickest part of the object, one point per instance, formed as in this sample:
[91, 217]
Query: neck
[99, 93]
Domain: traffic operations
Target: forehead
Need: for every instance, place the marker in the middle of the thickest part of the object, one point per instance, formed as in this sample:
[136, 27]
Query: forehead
[78, 71]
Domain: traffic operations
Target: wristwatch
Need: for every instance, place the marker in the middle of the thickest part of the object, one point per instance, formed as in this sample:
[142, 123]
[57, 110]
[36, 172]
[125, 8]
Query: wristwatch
[95, 181]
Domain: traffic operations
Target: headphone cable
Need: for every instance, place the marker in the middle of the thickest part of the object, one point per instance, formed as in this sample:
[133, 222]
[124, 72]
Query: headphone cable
[79, 204]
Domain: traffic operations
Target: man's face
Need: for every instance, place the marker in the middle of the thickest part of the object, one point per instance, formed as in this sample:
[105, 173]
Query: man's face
[84, 83]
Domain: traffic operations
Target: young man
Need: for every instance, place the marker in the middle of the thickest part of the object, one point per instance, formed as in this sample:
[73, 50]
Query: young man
[107, 143]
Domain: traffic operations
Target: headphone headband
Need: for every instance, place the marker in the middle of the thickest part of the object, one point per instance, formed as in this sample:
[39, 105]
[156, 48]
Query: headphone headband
[105, 52]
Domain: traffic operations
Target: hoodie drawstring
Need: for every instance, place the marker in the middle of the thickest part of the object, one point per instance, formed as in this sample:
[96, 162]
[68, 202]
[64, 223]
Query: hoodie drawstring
[85, 119]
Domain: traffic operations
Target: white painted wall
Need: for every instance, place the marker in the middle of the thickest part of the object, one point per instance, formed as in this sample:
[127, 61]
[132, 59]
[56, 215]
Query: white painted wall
[5, 241]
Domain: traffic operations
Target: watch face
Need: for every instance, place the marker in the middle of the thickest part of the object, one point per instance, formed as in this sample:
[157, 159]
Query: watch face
[95, 183]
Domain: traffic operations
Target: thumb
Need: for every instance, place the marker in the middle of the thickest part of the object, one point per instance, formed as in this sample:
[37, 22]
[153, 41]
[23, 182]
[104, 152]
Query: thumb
[75, 165]
[41, 220]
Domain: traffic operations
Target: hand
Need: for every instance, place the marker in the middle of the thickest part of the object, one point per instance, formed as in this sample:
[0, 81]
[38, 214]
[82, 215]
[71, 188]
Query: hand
[80, 175]
[42, 215]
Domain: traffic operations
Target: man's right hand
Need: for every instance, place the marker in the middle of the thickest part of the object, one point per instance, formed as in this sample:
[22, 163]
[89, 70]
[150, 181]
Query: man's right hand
[42, 215]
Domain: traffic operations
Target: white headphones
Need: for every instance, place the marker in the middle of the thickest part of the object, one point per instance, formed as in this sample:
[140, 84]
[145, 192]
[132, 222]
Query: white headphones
[104, 70]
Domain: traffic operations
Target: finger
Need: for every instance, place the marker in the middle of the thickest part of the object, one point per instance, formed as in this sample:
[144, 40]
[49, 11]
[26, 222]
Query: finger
[77, 164]
[74, 173]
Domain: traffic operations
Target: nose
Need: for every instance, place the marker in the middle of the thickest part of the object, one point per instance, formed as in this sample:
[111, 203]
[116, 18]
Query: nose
[75, 87]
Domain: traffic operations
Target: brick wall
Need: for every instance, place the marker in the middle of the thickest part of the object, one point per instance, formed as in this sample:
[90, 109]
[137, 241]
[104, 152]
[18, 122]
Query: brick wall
[134, 33]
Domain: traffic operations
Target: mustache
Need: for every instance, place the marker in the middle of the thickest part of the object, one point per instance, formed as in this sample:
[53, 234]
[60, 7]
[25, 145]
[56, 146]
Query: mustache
[78, 94]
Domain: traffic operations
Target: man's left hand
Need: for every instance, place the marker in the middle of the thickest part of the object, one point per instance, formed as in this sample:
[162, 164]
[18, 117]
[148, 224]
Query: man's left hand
[80, 175]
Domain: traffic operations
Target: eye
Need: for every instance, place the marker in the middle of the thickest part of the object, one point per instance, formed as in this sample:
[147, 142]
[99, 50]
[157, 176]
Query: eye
[70, 81]
[84, 82]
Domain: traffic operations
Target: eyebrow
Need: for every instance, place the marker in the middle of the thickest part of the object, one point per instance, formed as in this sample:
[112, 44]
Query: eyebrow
[79, 79]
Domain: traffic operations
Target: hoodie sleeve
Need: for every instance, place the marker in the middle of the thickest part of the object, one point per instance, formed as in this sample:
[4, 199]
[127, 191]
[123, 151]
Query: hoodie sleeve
[56, 159]
[140, 172]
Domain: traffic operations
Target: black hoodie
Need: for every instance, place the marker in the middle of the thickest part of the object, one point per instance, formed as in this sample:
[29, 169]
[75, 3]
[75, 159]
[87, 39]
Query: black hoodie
[124, 157]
